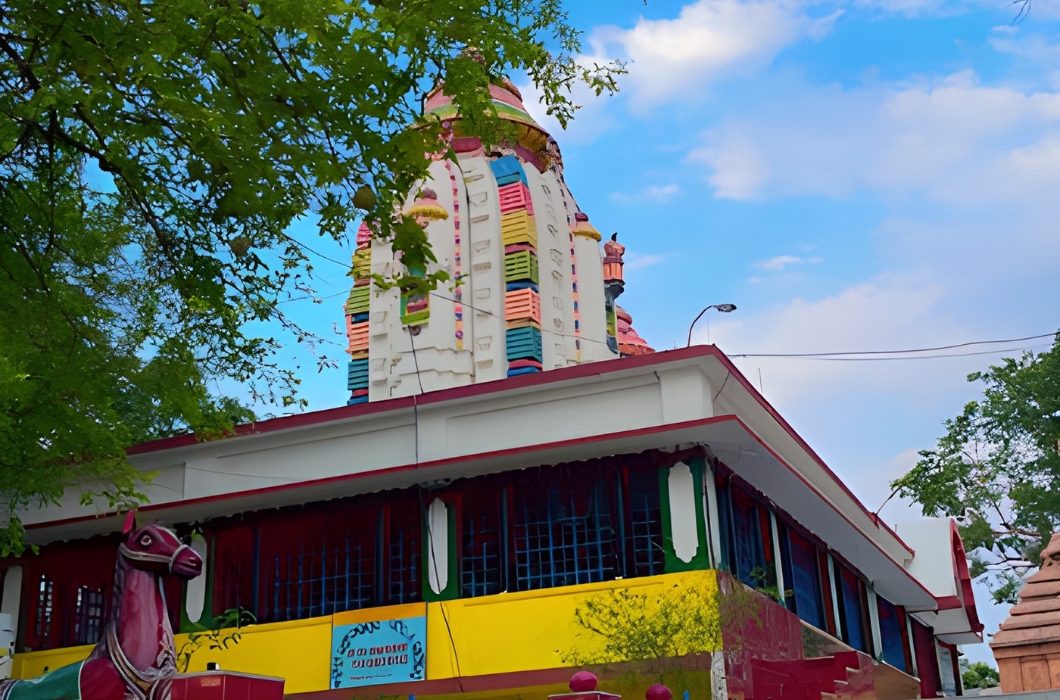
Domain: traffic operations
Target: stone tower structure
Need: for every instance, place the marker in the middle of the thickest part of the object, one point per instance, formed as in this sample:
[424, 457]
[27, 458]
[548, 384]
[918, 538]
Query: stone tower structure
[1027, 647]
[530, 291]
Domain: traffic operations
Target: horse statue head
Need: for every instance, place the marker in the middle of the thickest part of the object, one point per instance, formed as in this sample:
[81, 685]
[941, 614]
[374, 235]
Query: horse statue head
[157, 550]
[135, 659]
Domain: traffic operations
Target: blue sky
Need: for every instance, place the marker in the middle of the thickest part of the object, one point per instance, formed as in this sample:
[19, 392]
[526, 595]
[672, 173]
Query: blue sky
[853, 175]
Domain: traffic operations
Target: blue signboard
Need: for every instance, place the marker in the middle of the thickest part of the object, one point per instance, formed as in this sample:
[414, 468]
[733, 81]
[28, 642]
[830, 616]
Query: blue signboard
[374, 653]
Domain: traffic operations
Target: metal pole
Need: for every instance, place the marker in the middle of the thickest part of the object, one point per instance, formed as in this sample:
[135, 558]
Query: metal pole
[712, 306]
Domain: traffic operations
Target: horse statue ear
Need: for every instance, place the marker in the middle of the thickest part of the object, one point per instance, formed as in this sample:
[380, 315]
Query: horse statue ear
[130, 522]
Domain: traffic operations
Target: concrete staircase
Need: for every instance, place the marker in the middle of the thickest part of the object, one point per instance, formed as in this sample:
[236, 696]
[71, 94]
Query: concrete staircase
[847, 674]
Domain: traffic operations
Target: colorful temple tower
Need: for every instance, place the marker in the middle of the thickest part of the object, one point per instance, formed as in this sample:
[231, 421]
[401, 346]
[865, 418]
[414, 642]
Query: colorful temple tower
[529, 293]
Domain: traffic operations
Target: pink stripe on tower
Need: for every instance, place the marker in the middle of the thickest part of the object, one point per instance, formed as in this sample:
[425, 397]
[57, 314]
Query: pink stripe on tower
[458, 307]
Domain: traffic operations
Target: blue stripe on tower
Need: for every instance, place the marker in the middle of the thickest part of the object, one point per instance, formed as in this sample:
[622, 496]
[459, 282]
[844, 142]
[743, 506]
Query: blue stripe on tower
[357, 380]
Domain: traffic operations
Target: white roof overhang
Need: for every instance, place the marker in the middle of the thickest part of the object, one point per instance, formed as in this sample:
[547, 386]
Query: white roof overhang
[658, 401]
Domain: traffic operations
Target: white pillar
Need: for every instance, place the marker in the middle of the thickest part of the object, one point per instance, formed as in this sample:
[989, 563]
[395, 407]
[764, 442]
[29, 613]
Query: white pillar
[777, 564]
[835, 597]
[912, 643]
[683, 522]
[438, 545]
[195, 600]
[710, 508]
[11, 598]
[874, 623]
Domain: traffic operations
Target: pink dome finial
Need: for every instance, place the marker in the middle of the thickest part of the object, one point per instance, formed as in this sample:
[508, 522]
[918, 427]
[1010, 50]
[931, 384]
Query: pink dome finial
[364, 235]
[583, 682]
[658, 692]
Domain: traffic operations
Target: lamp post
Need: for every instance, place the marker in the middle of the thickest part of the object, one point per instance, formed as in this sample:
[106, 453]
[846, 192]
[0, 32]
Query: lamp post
[723, 308]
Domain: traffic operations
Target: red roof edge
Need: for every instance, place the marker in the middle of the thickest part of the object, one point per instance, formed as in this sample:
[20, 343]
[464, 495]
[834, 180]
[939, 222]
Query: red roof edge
[802, 443]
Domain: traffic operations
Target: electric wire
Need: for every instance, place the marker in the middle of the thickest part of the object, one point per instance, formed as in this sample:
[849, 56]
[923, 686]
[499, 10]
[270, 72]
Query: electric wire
[423, 512]
[543, 330]
[920, 357]
[900, 352]
[840, 356]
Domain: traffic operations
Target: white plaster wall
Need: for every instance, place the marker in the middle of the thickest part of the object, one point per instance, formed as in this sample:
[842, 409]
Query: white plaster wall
[560, 414]
[589, 259]
[383, 323]
[933, 561]
[686, 394]
[273, 461]
[591, 304]
[485, 268]
[437, 362]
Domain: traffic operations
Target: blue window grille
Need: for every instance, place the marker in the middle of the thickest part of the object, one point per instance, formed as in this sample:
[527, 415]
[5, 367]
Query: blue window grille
[721, 484]
[481, 553]
[804, 579]
[322, 578]
[644, 542]
[45, 601]
[892, 633]
[404, 564]
[234, 593]
[234, 557]
[559, 541]
[851, 608]
[749, 554]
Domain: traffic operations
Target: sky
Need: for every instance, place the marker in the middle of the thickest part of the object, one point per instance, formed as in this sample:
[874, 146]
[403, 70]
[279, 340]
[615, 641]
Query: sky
[867, 175]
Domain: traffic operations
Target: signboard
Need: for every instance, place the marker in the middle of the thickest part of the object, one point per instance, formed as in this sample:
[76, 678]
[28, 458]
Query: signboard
[377, 652]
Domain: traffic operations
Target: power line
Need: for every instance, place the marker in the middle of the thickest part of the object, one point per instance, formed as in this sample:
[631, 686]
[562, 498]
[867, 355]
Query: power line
[543, 330]
[901, 352]
[834, 356]
[921, 357]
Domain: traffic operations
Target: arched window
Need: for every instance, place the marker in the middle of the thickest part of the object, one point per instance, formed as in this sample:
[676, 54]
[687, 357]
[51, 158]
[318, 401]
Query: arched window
[45, 606]
[88, 615]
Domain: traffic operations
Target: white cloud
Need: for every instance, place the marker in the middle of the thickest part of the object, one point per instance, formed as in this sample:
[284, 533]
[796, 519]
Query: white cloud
[951, 140]
[1033, 53]
[709, 39]
[779, 262]
[638, 261]
[889, 311]
[653, 193]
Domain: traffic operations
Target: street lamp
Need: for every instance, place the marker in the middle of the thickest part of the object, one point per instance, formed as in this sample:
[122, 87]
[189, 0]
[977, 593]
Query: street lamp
[723, 308]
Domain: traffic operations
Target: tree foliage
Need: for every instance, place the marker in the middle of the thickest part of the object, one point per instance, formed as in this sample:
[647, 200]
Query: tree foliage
[979, 675]
[997, 469]
[626, 625]
[153, 157]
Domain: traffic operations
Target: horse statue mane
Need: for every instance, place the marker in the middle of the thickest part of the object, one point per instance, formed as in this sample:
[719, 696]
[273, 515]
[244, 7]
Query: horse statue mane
[135, 659]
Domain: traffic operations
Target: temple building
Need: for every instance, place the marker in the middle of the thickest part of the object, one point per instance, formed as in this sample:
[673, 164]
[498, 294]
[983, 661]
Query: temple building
[518, 487]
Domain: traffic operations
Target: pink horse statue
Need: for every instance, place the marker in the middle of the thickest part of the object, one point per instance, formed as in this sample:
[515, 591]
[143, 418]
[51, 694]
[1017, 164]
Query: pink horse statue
[135, 660]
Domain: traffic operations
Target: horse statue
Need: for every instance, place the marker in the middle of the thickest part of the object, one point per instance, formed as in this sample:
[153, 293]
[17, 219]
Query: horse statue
[135, 660]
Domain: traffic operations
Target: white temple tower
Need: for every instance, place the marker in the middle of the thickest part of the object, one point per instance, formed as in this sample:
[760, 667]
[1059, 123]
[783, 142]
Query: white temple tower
[529, 291]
